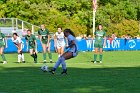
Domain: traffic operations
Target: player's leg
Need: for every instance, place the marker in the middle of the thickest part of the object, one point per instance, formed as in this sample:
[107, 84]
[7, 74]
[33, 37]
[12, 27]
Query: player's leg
[22, 55]
[49, 52]
[95, 52]
[44, 52]
[59, 51]
[101, 52]
[19, 57]
[2, 55]
[33, 55]
[61, 60]
[62, 50]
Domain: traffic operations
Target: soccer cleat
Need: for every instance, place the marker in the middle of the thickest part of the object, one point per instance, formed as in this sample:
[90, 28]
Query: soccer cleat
[52, 71]
[100, 61]
[94, 61]
[51, 61]
[35, 60]
[4, 62]
[64, 72]
[44, 61]
[23, 61]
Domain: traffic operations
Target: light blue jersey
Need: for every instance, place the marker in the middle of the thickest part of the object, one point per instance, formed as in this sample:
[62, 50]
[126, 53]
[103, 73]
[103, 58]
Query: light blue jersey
[73, 49]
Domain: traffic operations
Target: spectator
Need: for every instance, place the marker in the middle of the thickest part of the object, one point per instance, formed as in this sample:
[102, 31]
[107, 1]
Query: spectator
[114, 36]
[123, 37]
[110, 39]
[24, 32]
[84, 36]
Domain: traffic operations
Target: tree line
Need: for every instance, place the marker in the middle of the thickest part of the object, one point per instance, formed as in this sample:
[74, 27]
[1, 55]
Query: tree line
[117, 16]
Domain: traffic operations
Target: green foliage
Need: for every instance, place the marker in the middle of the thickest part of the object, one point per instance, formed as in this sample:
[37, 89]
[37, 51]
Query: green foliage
[129, 27]
[74, 14]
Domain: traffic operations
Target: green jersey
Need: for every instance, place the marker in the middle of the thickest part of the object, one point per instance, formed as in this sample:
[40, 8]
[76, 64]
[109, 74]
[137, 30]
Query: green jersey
[44, 34]
[31, 39]
[2, 43]
[99, 35]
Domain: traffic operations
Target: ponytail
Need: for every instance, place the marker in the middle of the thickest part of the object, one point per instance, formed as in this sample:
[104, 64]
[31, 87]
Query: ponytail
[69, 31]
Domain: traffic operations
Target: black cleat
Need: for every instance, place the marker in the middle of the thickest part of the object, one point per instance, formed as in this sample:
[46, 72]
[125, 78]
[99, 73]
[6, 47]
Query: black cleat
[23, 61]
[51, 61]
[52, 72]
[64, 72]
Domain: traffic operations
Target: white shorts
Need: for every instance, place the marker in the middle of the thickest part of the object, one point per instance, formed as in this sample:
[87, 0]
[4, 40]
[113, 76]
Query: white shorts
[60, 45]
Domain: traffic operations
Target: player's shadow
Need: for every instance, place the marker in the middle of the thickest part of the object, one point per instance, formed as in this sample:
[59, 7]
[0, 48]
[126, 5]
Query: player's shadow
[31, 79]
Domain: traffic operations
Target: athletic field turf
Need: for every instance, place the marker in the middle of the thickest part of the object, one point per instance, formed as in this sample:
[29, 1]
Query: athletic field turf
[119, 73]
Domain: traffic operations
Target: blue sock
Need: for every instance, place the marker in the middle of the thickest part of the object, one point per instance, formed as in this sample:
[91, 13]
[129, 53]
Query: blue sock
[63, 63]
[57, 63]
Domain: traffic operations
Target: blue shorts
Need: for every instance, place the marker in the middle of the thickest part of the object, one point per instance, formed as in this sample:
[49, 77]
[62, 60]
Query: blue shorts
[74, 51]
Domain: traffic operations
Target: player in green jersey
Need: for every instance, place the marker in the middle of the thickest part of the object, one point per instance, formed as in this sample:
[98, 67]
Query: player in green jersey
[31, 40]
[100, 41]
[3, 43]
[44, 37]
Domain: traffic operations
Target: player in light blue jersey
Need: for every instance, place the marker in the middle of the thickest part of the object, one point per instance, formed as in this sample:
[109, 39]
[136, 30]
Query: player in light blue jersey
[72, 51]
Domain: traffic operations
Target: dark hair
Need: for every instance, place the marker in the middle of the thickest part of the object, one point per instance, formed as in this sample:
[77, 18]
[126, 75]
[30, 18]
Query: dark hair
[69, 31]
[15, 34]
[99, 25]
[59, 27]
[29, 30]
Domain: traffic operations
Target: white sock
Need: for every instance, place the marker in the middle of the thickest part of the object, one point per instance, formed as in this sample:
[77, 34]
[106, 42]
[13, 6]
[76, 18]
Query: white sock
[59, 55]
[19, 57]
[22, 56]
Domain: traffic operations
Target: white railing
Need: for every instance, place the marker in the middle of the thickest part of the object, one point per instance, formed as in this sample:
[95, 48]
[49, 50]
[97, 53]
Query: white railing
[7, 25]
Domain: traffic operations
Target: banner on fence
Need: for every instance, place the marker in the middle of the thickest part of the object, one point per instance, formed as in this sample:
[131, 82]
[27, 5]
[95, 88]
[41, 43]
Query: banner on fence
[87, 45]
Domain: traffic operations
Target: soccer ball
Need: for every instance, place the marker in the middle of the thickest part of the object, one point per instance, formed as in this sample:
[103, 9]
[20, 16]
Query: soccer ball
[44, 68]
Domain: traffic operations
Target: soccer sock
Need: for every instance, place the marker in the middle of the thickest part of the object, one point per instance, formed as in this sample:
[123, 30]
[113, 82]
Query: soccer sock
[33, 55]
[95, 57]
[22, 56]
[101, 56]
[63, 63]
[50, 56]
[44, 56]
[57, 63]
[19, 56]
[3, 57]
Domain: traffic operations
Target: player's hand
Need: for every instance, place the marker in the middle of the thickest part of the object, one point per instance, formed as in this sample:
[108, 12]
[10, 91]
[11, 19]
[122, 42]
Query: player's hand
[104, 44]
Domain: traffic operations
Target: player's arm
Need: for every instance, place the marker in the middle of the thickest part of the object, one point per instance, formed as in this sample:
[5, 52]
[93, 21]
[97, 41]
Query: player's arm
[55, 40]
[66, 41]
[5, 39]
[35, 43]
[72, 40]
[72, 44]
[104, 39]
[48, 39]
[39, 36]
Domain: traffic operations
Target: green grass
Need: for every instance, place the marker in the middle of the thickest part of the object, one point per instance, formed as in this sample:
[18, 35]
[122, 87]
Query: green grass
[119, 73]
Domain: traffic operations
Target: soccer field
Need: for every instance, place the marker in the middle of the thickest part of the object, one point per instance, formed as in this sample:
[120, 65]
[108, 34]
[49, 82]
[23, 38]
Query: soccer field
[119, 73]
